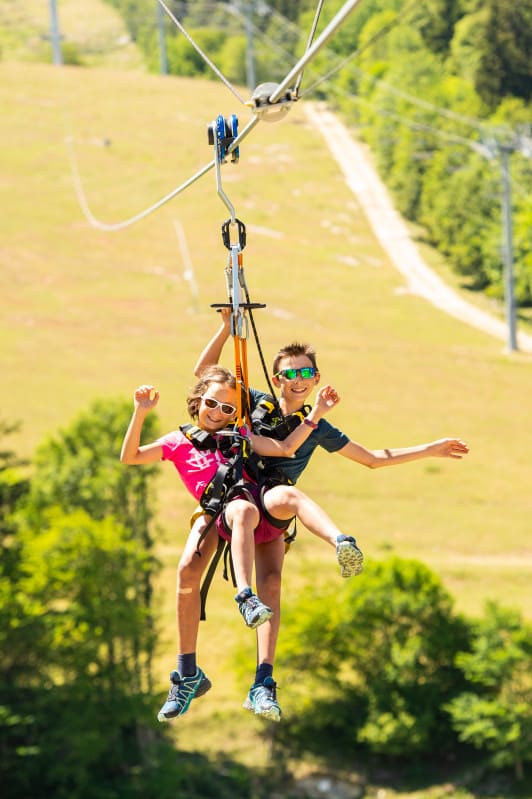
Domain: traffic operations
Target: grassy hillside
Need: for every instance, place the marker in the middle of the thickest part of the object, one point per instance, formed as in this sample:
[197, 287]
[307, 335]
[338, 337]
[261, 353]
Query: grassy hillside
[91, 31]
[88, 313]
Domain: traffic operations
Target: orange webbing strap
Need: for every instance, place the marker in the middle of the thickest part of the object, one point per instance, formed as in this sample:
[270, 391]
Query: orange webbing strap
[241, 374]
[241, 353]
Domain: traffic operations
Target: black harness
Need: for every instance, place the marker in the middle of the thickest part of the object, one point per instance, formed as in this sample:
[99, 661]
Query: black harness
[267, 420]
[227, 481]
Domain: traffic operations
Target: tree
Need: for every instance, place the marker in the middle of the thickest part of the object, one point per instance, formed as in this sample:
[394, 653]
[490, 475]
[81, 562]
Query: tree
[80, 468]
[14, 487]
[435, 20]
[76, 721]
[71, 691]
[492, 44]
[382, 653]
[495, 714]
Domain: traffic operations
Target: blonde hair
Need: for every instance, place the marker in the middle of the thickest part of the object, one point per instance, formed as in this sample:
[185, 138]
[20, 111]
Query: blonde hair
[211, 374]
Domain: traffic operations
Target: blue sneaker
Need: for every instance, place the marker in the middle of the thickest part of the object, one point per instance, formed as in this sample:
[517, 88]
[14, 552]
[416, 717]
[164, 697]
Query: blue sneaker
[349, 556]
[182, 691]
[262, 700]
[254, 612]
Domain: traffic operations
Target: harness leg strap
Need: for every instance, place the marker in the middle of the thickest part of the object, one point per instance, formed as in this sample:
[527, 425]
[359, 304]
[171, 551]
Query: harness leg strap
[207, 580]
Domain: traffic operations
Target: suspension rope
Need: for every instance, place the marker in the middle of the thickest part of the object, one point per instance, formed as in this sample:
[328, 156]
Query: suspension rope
[112, 227]
[376, 36]
[261, 356]
[279, 91]
[223, 135]
[198, 49]
[309, 42]
[313, 50]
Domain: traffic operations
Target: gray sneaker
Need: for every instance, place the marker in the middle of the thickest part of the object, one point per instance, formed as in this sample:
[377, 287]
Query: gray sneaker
[349, 557]
[182, 691]
[254, 612]
[262, 700]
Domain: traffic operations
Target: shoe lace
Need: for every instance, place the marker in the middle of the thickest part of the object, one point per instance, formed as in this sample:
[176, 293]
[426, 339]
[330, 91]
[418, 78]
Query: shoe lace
[252, 602]
[267, 691]
[180, 691]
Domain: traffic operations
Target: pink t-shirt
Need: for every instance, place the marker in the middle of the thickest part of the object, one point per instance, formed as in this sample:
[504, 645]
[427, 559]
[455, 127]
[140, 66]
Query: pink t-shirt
[196, 467]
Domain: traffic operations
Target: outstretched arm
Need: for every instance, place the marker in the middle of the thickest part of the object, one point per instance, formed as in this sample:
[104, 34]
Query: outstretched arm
[145, 398]
[374, 459]
[326, 399]
[213, 350]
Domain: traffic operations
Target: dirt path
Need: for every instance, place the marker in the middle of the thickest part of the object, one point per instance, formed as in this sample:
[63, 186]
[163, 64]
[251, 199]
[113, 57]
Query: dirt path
[392, 232]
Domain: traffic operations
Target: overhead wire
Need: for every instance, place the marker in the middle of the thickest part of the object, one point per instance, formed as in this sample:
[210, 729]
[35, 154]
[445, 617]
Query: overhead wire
[376, 36]
[309, 42]
[113, 227]
[333, 26]
[414, 125]
[200, 52]
[316, 46]
[444, 112]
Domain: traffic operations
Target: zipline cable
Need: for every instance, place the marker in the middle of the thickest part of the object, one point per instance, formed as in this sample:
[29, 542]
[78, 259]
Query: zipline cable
[280, 89]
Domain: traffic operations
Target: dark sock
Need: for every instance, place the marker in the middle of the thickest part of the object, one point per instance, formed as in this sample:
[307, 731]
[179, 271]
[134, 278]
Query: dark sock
[186, 664]
[244, 594]
[263, 670]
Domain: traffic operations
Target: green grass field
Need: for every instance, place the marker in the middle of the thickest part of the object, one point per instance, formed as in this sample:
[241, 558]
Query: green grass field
[89, 313]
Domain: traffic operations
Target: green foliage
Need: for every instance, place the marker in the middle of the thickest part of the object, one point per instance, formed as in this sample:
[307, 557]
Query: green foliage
[464, 221]
[184, 60]
[83, 575]
[80, 468]
[76, 636]
[75, 642]
[232, 59]
[495, 714]
[382, 651]
[14, 487]
[420, 99]
[435, 21]
[505, 67]
[14, 484]
[138, 15]
[407, 53]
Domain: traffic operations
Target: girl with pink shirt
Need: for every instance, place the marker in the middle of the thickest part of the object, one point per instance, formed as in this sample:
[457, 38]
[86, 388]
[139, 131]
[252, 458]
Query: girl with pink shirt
[212, 404]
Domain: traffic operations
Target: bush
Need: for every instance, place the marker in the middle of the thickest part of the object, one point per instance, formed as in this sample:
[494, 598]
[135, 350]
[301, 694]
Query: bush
[383, 653]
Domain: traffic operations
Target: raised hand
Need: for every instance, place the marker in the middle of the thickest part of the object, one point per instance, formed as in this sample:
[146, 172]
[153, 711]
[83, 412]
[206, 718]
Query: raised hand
[326, 398]
[146, 397]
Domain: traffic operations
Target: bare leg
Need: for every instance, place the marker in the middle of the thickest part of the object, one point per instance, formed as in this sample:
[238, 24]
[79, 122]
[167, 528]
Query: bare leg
[189, 573]
[268, 567]
[242, 517]
[189, 681]
[283, 502]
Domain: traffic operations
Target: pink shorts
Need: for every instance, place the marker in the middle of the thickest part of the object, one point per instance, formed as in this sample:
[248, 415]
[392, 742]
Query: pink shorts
[266, 530]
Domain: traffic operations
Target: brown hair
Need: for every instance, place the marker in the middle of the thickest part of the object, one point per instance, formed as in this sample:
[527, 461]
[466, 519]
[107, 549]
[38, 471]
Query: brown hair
[211, 374]
[292, 350]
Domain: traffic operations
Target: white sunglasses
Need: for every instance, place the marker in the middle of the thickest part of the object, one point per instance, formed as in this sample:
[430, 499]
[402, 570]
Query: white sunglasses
[226, 409]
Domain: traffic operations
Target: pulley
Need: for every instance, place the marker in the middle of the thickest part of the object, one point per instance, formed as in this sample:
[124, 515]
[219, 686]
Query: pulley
[266, 110]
